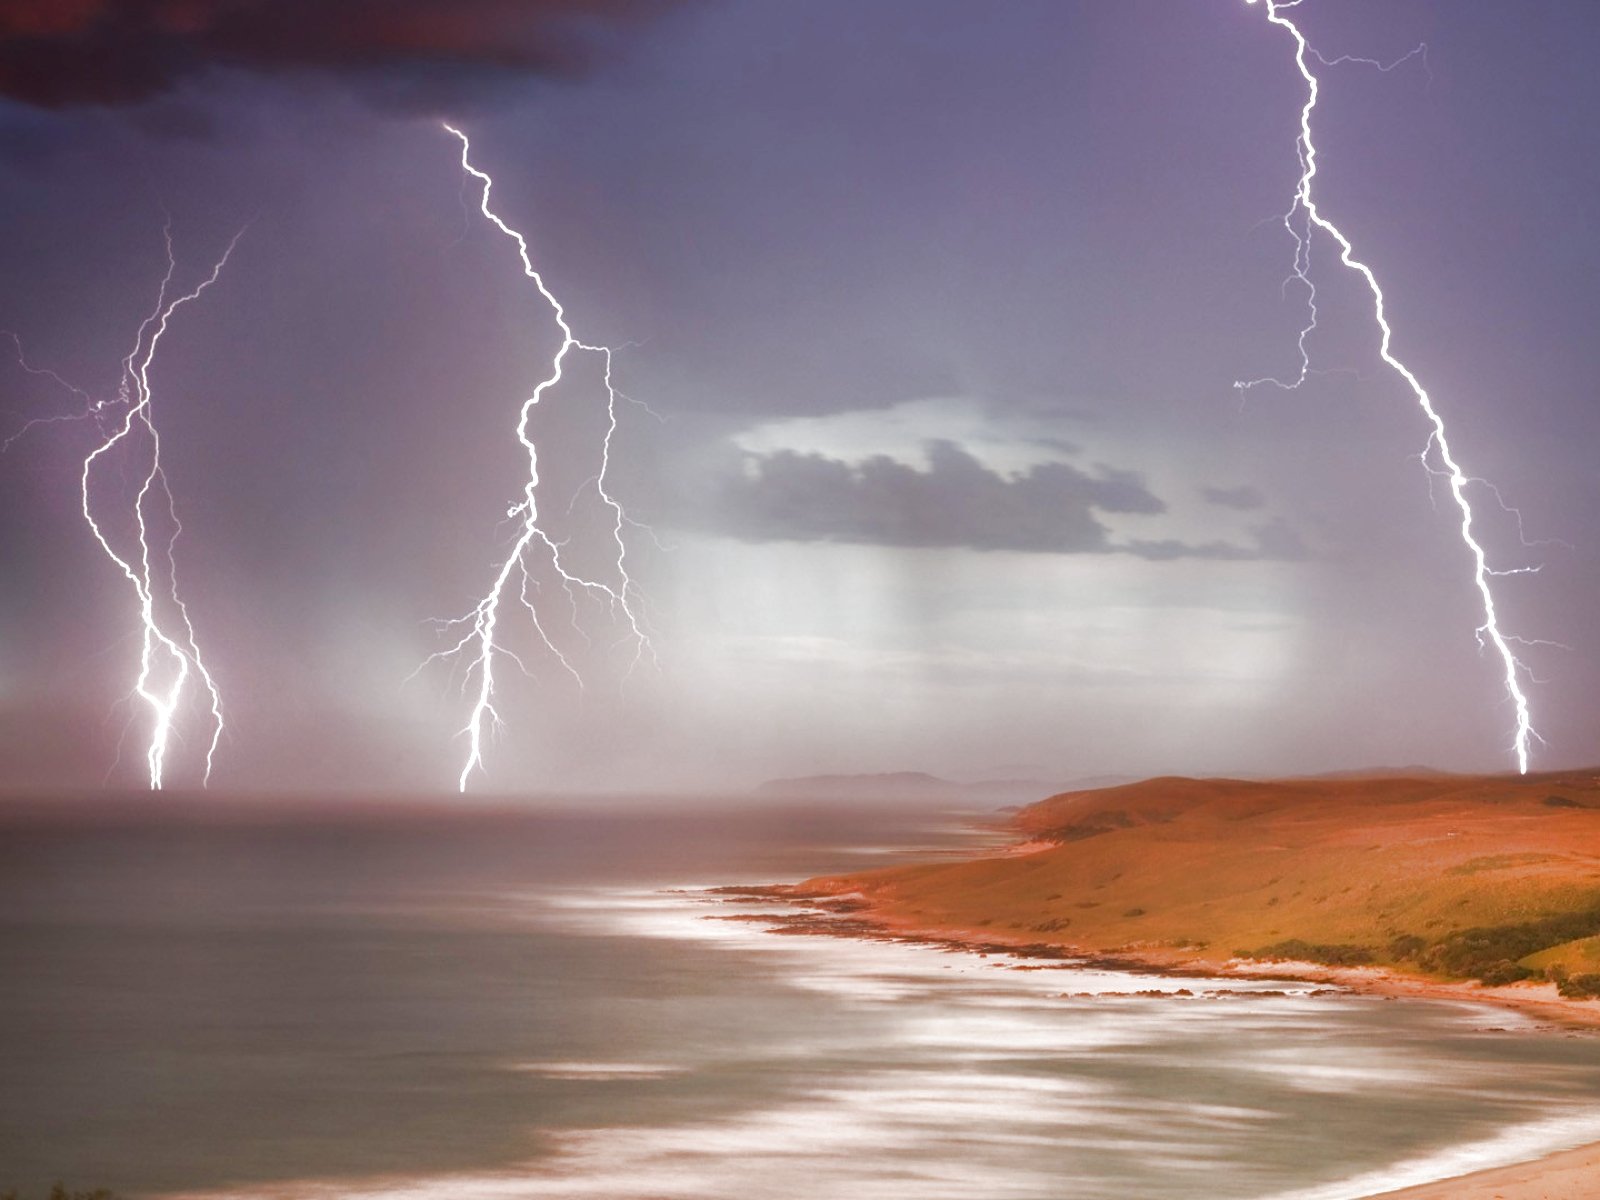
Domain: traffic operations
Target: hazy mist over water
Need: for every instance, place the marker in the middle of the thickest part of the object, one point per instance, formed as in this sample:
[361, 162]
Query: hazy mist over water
[235, 1000]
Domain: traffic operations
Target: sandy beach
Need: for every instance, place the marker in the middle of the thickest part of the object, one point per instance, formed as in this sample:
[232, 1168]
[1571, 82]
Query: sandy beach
[1573, 1175]
[1540, 1002]
[856, 915]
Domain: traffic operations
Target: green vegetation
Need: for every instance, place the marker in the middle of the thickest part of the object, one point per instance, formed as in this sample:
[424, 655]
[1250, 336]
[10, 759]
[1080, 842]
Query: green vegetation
[1078, 831]
[1563, 802]
[1490, 954]
[1493, 878]
[1498, 862]
[1576, 958]
[1406, 946]
[1579, 987]
[1339, 955]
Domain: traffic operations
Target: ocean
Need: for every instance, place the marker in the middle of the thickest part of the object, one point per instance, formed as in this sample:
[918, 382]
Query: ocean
[405, 1001]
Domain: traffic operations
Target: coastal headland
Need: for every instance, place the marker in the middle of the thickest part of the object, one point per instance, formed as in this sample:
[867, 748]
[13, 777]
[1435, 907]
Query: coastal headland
[1483, 888]
[1463, 886]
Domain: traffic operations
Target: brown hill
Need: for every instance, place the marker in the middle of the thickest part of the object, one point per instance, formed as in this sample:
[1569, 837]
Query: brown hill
[1451, 876]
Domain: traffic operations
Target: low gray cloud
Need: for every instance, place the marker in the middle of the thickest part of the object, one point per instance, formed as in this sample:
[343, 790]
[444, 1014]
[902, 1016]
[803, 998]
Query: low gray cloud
[956, 502]
[1243, 497]
[1276, 539]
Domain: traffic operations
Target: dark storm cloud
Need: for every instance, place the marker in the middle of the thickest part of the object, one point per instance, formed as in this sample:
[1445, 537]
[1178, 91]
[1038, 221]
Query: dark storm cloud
[955, 502]
[62, 53]
[1242, 497]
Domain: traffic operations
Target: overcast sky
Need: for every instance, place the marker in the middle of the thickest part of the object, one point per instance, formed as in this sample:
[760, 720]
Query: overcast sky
[932, 311]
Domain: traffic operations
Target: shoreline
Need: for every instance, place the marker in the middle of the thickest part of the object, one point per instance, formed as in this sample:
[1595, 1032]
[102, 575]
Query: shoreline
[1445, 880]
[1568, 1173]
[853, 914]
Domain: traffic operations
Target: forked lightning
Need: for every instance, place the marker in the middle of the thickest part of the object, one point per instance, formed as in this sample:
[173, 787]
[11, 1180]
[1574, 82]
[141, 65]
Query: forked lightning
[169, 658]
[1304, 210]
[480, 642]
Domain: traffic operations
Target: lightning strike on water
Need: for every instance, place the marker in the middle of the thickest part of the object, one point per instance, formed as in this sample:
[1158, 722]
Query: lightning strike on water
[1311, 218]
[170, 657]
[479, 642]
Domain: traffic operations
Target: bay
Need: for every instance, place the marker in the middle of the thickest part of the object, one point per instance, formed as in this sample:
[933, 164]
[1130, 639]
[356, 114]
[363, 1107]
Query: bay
[393, 999]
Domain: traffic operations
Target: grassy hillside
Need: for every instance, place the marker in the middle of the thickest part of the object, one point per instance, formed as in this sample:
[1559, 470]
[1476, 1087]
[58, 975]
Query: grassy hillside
[1487, 877]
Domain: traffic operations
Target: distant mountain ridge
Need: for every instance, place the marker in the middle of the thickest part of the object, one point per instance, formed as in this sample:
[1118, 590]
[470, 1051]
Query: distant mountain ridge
[921, 785]
[886, 783]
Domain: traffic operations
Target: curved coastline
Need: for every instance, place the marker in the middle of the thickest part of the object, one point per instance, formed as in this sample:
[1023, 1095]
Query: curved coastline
[1516, 1166]
[1570, 1174]
[1504, 850]
[1453, 887]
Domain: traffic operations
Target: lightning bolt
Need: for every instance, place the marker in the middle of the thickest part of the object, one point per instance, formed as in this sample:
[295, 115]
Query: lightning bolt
[169, 652]
[170, 658]
[90, 405]
[479, 644]
[1311, 218]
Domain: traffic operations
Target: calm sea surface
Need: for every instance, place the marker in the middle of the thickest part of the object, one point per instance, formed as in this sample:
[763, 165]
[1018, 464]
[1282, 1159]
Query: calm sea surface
[209, 999]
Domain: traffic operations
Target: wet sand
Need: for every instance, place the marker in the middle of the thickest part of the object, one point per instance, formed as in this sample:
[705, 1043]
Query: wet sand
[1572, 1175]
[1537, 1001]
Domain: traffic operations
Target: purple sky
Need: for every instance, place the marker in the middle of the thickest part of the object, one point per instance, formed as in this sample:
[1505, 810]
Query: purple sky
[937, 307]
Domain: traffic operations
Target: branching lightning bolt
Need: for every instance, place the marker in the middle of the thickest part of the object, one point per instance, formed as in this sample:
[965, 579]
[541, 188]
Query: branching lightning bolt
[479, 643]
[91, 406]
[1311, 218]
[170, 658]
